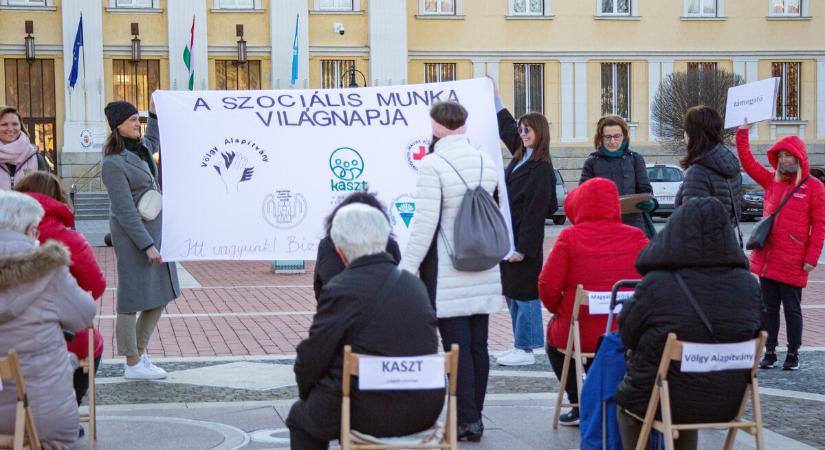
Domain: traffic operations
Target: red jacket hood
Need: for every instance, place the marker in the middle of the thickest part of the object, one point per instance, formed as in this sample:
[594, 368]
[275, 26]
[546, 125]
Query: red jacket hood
[792, 145]
[55, 211]
[597, 199]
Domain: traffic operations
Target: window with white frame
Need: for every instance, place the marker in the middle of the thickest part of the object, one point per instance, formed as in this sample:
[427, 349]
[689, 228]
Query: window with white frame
[134, 4]
[701, 8]
[446, 7]
[26, 2]
[616, 89]
[438, 72]
[786, 7]
[614, 7]
[787, 102]
[528, 88]
[333, 71]
[333, 5]
[235, 4]
[527, 7]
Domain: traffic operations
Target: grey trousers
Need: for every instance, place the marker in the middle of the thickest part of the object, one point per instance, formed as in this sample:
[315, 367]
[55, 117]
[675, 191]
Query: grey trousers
[630, 428]
[134, 332]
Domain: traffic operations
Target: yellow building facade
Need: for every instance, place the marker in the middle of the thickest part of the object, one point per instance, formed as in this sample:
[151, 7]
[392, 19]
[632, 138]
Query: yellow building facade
[571, 60]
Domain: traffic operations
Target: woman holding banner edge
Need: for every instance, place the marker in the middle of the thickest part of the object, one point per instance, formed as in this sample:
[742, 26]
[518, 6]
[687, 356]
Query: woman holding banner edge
[531, 191]
[145, 283]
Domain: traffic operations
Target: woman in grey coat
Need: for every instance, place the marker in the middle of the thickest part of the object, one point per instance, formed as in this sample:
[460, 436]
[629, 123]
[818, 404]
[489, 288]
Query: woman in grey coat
[145, 283]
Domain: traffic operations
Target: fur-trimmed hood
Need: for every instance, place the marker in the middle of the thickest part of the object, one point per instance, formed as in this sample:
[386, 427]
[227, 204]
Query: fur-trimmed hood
[25, 271]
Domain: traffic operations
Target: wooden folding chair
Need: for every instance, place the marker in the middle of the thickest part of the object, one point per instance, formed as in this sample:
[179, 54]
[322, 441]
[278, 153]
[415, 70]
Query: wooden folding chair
[88, 366]
[25, 431]
[449, 440]
[573, 353]
[660, 397]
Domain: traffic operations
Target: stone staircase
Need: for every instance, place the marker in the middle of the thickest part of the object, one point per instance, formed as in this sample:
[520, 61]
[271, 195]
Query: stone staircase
[91, 206]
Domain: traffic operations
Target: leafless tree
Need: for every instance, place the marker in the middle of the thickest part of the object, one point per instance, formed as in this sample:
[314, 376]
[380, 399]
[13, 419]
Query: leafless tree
[682, 90]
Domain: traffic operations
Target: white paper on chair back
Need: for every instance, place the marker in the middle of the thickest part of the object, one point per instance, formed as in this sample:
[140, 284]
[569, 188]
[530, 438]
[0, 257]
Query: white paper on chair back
[390, 373]
[716, 357]
[251, 175]
[599, 302]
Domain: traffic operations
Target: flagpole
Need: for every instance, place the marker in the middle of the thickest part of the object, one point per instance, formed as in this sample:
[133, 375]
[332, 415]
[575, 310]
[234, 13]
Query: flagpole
[85, 84]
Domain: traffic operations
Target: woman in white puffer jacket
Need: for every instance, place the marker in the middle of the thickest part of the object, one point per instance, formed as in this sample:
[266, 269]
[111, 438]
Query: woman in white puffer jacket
[463, 300]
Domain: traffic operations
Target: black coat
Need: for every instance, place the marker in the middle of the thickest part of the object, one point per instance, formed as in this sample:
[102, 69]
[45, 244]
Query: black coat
[628, 172]
[402, 323]
[716, 173]
[531, 190]
[328, 263]
[700, 244]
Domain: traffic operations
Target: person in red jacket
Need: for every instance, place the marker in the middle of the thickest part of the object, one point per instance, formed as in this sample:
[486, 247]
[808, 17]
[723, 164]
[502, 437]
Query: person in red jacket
[795, 242]
[57, 225]
[596, 252]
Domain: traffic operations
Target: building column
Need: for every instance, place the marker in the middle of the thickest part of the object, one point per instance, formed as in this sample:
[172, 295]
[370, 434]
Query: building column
[567, 108]
[580, 102]
[574, 127]
[820, 98]
[748, 68]
[388, 41]
[282, 15]
[657, 71]
[83, 103]
[180, 13]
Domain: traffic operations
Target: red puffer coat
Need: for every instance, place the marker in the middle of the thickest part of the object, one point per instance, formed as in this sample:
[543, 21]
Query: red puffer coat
[596, 252]
[799, 228]
[55, 226]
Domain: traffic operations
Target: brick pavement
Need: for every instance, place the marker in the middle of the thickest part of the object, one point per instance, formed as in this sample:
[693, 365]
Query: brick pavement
[244, 309]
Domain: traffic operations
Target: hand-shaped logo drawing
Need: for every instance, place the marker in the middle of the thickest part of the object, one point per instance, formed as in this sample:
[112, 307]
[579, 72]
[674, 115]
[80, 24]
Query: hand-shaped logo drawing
[234, 170]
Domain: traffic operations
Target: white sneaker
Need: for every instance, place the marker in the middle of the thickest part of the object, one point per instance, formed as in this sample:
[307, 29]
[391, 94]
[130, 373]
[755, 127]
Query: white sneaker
[148, 363]
[141, 371]
[517, 357]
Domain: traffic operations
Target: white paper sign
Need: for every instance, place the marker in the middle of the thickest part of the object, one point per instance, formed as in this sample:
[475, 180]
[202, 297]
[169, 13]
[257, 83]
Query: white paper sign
[251, 175]
[416, 372]
[754, 101]
[599, 302]
[716, 357]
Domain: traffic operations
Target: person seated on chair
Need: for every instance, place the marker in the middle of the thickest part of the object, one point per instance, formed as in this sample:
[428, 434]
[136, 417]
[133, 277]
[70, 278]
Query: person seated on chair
[378, 310]
[38, 298]
[596, 252]
[700, 246]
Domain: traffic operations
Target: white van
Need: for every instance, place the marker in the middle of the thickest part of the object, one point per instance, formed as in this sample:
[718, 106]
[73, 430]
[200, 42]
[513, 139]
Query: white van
[666, 180]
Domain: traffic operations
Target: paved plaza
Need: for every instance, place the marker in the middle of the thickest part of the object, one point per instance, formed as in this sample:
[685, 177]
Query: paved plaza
[229, 341]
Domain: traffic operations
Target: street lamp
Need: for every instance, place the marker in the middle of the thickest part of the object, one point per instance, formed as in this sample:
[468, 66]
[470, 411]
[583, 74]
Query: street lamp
[135, 42]
[29, 41]
[353, 83]
[241, 44]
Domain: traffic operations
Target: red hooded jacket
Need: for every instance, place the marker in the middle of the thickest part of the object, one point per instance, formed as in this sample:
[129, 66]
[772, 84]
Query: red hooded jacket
[799, 228]
[55, 226]
[596, 252]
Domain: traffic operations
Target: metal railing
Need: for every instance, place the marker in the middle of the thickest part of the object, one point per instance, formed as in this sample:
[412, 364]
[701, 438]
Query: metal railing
[84, 181]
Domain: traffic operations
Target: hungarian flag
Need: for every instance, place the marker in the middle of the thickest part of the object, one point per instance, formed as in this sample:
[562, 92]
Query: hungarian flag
[187, 56]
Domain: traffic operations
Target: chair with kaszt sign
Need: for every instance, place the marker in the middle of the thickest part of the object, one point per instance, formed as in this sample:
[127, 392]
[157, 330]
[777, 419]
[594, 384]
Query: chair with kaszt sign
[25, 432]
[660, 398]
[573, 353]
[438, 437]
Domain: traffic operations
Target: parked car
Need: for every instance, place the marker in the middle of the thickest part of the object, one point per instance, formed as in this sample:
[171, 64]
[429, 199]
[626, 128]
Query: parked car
[665, 180]
[558, 216]
[753, 197]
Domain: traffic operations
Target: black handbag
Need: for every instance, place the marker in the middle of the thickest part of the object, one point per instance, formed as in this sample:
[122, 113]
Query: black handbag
[759, 235]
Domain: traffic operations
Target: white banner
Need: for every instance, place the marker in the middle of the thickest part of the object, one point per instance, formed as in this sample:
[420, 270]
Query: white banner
[715, 357]
[251, 175]
[417, 372]
[599, 302]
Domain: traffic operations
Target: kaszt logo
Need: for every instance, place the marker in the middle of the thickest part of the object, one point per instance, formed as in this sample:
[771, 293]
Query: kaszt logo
[416, 151]
[284, 209]
[402, 207]
[347, 166]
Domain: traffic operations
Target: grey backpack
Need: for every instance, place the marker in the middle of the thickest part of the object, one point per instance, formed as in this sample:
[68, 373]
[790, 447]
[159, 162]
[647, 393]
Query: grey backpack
[480, 235]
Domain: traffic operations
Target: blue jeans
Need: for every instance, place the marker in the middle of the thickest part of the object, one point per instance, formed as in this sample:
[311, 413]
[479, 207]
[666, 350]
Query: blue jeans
[528, 328]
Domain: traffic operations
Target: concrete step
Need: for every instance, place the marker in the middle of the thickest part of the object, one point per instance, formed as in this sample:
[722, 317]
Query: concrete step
[91, 217]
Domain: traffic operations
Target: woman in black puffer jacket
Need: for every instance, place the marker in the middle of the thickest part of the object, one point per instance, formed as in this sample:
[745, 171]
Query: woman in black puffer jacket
[712, 169]
[698, 244]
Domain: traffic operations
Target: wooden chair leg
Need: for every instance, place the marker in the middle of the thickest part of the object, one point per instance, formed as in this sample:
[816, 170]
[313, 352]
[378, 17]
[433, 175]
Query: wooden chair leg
[731, 434]
[452, 423]
[667, 420]
[20, 426]
[757, 414]
[650, 416]
[565, 369]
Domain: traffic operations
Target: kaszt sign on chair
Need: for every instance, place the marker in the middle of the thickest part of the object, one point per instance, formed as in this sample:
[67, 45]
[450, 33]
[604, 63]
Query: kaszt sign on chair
[408, 373]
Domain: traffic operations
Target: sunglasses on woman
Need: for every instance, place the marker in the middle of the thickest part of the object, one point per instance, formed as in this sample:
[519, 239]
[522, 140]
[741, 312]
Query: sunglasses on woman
[523, 130]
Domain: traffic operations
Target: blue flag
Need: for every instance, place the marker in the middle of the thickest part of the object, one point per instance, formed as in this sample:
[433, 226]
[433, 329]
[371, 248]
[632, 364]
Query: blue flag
[78, 42]
[295, 53]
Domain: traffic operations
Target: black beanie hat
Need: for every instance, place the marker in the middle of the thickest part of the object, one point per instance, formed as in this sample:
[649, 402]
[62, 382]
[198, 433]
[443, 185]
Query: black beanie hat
[118, 112]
